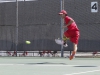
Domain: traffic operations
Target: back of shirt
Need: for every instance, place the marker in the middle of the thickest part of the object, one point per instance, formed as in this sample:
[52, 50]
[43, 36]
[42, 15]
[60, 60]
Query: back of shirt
[72, 26]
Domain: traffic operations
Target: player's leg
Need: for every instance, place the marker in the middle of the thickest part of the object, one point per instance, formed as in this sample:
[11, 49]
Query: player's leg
[74, 40]
[75, 47]
[74, 51]
[65, 40]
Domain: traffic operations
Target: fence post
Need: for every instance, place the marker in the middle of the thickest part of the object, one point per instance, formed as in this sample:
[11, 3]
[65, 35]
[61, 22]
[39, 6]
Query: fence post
[62, 29]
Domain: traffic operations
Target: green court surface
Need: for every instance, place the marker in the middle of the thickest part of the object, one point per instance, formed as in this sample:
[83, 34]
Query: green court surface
[49, 66]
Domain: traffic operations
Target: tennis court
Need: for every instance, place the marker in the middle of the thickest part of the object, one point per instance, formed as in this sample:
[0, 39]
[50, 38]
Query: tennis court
[49, 66]
[38, 22]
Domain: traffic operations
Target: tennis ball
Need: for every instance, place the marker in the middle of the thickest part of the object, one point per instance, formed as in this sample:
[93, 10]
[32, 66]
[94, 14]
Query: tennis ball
[28, 42]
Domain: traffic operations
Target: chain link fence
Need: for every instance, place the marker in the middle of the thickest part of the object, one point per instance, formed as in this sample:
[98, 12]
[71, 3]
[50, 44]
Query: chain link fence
[40, 23]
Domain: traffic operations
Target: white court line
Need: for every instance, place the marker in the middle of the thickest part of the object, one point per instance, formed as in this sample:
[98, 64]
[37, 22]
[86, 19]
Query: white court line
[10, 64]
[39, 65]
[5, 64]
[83, 72]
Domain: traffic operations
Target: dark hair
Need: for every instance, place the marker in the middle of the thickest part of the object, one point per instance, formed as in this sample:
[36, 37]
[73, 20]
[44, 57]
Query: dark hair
[66, 14]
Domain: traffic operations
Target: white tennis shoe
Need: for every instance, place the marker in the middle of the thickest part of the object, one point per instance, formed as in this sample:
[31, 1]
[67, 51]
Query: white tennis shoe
[65, 45]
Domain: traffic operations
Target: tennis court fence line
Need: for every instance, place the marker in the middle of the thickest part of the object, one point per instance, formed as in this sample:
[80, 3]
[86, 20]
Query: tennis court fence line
[47, 54]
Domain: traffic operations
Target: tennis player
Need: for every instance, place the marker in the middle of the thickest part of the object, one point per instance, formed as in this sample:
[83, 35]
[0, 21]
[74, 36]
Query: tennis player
[72, 32]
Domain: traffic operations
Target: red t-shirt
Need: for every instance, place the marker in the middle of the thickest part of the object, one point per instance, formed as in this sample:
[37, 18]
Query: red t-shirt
[72, 26]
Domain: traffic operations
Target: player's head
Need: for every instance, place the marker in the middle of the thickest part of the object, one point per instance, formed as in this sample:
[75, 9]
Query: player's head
[63, 13]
